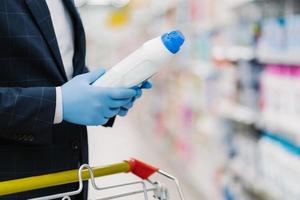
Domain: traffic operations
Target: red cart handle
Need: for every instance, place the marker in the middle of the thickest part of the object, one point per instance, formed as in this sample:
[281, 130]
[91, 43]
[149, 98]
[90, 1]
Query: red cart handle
[141, 169]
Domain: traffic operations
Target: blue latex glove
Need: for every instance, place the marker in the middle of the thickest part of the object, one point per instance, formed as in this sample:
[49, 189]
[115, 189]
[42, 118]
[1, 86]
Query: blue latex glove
[89, 105]
[124, 109]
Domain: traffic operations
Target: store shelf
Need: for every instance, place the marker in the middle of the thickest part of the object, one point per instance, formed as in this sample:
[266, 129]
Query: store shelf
[291, 58]
[238, 113]
[252, 184]
[233, 53]
[236, 53]
[200, 68]
[288, 128]
[185, 145]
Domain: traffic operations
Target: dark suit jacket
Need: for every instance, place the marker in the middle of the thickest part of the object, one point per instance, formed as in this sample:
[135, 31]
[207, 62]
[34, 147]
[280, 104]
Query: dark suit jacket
[30, 69]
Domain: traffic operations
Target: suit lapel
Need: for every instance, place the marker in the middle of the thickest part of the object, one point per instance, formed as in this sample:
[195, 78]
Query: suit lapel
[80, 43]
[41, 15]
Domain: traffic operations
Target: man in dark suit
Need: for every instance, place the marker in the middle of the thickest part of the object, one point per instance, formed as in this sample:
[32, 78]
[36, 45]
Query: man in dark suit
[43, 109]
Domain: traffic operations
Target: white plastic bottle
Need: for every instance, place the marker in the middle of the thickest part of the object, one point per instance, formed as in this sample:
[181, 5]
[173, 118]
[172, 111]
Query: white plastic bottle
[143, 63]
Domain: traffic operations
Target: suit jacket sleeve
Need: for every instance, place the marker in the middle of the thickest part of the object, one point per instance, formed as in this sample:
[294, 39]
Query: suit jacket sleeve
[85, 70]
[27, 114]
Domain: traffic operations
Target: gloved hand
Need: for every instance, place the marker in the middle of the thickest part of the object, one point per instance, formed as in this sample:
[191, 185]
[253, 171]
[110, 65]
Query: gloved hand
[124, 109]
[85, 104]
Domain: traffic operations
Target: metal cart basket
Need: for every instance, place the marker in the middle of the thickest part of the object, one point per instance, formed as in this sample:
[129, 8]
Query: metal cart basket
[85, 172]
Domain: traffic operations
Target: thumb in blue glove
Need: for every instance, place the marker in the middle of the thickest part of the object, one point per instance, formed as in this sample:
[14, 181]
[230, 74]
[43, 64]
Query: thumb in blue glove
[85, 104]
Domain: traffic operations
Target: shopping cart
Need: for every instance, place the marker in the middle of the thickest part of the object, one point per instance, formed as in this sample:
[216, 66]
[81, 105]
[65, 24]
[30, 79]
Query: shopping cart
[85, 172]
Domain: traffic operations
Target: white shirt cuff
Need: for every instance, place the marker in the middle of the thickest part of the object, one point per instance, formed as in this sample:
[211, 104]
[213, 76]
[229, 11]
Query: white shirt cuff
[58, 117]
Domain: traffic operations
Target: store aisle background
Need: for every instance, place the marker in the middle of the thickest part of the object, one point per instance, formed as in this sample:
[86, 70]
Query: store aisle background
[224, 115]
[124, 140]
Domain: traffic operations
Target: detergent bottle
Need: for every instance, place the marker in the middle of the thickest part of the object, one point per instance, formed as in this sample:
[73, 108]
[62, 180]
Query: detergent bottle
[143, 63]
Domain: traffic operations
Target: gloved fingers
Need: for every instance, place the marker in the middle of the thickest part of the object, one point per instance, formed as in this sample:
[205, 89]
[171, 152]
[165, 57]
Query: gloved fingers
[121, 93]
[146, 85]
[96, 121]
[108, 113]
[138, 93]
[128, 105]
[119, 103]
[91, 77]
[123, 112]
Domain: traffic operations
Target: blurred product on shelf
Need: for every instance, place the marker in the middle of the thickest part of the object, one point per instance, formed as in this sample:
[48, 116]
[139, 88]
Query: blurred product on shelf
[118, 17]
[262, 166]
[292, 33]
[280, 94]
[280, 166]
[280, 41]
[273, 35]
[249, 83]
[235, 42]
[242, 171]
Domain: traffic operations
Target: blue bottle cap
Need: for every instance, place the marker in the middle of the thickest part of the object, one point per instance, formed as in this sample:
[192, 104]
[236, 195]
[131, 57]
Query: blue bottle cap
[173, 41]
